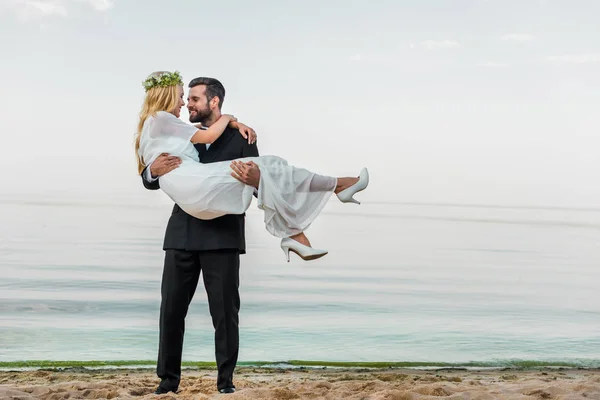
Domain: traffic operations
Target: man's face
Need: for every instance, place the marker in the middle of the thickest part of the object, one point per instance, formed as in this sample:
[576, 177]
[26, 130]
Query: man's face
[198, 104]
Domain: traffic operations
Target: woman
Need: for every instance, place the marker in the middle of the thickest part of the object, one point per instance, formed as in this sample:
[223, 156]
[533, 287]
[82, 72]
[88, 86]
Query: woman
[290, 197]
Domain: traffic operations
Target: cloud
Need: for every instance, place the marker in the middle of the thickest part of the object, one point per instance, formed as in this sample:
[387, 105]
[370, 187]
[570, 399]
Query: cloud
[439, 44]
[356, 57]
[27, 10]
[518, 37]
[31, 9]
[100, 5]
[574, 58]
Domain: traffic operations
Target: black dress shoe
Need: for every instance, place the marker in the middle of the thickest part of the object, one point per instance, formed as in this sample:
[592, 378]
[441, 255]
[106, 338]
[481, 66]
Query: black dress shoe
[160, 390]
[227, 390]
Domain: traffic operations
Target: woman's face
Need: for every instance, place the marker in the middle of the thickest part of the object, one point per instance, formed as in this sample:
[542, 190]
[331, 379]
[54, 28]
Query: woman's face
[180, 103]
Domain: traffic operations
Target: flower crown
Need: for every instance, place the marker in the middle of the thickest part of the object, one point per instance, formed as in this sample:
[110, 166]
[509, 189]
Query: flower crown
[164, 79]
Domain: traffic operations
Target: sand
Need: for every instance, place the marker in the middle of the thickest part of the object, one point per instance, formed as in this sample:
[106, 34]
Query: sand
[287, 384]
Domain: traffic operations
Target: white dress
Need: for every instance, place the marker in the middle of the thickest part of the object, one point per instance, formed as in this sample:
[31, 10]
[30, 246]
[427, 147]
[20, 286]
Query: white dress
[290, 197]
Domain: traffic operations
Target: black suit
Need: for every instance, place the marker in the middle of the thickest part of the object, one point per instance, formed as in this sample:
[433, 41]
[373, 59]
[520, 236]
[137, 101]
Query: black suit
[212, 246]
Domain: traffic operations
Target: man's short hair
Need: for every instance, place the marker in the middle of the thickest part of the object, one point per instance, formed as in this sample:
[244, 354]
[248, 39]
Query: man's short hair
[213, 88]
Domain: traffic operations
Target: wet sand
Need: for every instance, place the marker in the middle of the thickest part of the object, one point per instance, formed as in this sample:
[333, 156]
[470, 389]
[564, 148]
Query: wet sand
[330, 384]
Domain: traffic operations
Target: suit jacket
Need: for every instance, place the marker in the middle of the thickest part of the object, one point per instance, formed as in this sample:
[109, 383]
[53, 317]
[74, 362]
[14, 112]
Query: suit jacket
[185, 232]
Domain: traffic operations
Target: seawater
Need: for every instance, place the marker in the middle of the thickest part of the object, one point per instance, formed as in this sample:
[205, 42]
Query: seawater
[402, 283]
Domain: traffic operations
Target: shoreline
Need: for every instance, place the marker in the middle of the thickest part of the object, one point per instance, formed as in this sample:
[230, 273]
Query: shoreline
[309, 383]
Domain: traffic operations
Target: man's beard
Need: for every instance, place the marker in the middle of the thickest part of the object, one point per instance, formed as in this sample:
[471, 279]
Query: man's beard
[201, 116]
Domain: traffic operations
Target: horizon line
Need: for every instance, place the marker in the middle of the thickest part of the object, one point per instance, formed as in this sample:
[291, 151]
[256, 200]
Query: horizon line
[82, 202]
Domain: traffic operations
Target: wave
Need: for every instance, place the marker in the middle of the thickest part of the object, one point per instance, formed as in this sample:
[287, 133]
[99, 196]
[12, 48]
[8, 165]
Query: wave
[547, 223]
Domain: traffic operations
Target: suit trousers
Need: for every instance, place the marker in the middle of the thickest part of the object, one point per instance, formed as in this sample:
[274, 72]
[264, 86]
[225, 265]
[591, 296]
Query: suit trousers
[181, 273]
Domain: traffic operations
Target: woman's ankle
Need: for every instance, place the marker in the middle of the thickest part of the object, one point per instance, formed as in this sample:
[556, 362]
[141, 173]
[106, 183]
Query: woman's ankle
[301, 238]
[344, 183]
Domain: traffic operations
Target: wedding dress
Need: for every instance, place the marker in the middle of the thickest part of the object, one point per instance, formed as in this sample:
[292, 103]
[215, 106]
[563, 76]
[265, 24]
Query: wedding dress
[290, 197]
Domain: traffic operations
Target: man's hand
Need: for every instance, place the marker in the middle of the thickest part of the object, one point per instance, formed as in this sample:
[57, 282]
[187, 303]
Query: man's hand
[247, 173]
[164, 164]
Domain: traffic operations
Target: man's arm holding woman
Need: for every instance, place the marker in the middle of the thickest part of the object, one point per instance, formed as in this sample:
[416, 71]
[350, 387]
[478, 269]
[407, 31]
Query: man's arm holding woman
[163, 164]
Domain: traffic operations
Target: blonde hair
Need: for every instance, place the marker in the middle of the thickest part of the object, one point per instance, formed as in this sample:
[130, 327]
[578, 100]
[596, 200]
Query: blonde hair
[159, 98]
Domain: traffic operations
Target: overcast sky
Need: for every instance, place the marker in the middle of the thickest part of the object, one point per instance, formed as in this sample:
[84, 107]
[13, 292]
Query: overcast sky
[468, 101]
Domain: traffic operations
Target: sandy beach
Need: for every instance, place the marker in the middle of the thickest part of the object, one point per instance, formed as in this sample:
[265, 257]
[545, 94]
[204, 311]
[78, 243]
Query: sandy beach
[309, 383]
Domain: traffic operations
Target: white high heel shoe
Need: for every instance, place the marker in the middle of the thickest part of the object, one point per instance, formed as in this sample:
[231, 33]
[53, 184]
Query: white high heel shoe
[304, 252]
[346, 195]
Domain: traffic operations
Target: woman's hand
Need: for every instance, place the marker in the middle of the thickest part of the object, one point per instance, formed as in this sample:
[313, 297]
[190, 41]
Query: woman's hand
[245, 130]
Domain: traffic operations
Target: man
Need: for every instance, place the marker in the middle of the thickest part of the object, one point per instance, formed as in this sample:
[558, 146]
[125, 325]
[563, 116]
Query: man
[213, 247]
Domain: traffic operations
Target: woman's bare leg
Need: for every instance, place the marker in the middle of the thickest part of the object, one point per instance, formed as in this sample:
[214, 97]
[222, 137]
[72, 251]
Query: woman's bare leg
[322, 183]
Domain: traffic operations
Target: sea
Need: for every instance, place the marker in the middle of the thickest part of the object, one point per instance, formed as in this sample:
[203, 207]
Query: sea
[476, 284]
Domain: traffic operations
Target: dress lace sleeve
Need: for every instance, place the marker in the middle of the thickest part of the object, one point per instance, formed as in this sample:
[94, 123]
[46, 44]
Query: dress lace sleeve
[171, 126]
